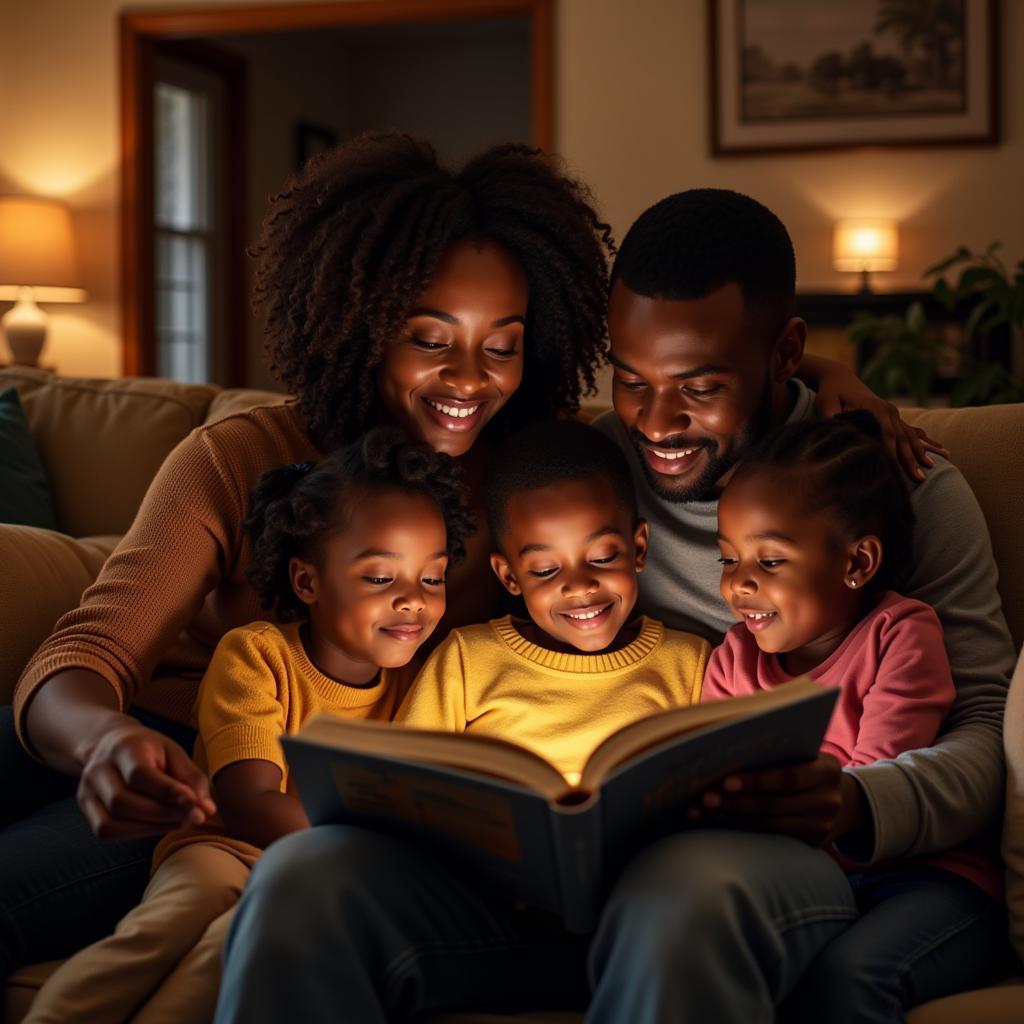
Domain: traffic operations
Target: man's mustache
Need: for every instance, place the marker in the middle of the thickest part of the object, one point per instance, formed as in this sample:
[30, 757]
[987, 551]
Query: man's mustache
[676, 441]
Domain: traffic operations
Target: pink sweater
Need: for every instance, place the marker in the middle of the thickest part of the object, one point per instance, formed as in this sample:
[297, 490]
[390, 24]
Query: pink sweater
[891, 670]
[895, 688]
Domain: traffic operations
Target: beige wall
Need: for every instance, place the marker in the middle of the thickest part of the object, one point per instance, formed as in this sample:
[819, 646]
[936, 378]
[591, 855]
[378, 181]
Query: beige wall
[631, 117]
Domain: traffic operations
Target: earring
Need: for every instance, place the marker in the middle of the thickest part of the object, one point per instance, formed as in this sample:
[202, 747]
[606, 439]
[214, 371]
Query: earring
[851, 582]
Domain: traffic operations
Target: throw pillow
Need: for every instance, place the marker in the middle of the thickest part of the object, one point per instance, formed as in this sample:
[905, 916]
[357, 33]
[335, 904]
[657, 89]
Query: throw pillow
[24, 488]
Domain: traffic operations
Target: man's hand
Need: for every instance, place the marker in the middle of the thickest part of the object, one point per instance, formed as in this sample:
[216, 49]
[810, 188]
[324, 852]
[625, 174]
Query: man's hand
[909, 445]
[815, 801]
[136, 782]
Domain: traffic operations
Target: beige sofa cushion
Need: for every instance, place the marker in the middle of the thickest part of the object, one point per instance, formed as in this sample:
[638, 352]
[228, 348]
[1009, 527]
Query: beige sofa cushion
[44, 574]
[103, 441]
[226, 403]
[987, 446]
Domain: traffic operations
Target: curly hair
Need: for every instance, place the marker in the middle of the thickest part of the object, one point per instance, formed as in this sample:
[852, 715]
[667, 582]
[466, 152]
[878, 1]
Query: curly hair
[355, 237]
[294, 509]
[843, 470]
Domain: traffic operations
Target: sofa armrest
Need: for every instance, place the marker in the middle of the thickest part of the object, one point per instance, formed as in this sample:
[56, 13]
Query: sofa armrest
[43, 575]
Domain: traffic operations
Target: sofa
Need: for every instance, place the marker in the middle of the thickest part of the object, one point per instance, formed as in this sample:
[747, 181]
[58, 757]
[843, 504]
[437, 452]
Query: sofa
[101, 441]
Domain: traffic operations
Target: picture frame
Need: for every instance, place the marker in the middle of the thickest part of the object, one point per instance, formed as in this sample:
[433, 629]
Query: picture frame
[792, 75]
[310, 140]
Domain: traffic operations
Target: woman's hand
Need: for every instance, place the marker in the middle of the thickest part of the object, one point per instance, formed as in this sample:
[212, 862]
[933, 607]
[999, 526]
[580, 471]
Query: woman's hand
[137, 782]
[841, 392]
[815, 801]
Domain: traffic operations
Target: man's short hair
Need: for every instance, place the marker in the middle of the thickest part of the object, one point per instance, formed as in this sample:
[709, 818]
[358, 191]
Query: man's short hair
[692, 243]
[554, 452]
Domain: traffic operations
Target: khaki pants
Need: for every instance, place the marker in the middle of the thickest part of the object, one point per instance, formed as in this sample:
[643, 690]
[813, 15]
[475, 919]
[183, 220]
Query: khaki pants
[162, 965]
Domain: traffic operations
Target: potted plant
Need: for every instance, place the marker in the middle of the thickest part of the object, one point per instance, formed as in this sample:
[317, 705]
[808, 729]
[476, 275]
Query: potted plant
[903, 353]
[998, 294]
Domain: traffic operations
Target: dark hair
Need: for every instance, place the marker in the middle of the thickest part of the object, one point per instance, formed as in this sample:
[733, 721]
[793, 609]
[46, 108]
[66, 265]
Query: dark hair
[295, 508]
[692, 243]
[840, 467]
[357, 235]
[550, 453]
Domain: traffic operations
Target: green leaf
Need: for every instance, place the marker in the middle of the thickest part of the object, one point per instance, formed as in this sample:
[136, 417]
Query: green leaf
[916, 322]
[944, 293]
[971, 326]
[975, 279]
[963, 253]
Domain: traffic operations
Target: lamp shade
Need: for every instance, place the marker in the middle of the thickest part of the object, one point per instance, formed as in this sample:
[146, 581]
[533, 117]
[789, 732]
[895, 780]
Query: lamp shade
[865, 245]
[37, 250]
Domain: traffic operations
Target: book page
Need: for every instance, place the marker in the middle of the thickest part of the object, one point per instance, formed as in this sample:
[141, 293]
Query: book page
[641, 735]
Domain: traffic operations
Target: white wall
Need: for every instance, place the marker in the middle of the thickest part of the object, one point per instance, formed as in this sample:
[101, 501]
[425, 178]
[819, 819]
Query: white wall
[631, 118]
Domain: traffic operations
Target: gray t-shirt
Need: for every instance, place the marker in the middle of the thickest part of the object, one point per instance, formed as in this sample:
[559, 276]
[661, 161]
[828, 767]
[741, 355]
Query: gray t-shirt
[923, 801]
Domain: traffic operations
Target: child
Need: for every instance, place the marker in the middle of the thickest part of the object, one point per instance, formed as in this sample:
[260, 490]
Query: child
[562, 511]
[815, 531]
[351, 554]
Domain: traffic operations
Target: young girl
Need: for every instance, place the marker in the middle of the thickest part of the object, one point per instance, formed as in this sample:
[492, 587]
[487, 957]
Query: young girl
[351, 555]
[815, 533]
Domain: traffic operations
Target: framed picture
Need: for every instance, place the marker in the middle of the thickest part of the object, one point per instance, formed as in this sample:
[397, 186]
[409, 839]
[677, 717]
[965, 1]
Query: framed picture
[811, 74]
[311, 139]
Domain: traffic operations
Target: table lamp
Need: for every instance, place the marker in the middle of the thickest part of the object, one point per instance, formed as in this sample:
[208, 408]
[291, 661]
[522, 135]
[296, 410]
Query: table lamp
[37, 264]
[865, 245]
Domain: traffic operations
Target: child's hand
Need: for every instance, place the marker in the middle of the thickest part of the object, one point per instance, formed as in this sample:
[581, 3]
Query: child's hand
[138, 782]
[812, 801]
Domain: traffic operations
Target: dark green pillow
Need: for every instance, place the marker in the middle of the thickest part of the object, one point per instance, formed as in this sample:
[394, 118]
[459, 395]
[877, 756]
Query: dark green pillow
[24, 488]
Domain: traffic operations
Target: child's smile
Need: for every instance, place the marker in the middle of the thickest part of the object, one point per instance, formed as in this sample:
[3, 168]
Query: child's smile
[785, 570]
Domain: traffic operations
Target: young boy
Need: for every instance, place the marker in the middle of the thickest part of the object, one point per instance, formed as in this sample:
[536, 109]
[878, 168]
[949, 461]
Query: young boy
[562, 509]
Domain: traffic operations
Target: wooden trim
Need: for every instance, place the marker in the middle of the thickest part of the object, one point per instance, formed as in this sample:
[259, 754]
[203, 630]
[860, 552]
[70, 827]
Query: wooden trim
[140, 33]
[292, 17]
[541, 63]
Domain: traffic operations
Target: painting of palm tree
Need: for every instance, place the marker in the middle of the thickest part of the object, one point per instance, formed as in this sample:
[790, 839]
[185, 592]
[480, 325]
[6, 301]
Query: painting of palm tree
[864, 64]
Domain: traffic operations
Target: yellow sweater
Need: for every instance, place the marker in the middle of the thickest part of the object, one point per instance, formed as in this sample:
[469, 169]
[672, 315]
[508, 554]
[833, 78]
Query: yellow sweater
[490, 679]
[259, 687]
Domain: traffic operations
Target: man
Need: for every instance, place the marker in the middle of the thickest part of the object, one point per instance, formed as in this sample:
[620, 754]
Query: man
[715, 924]
[703, 347]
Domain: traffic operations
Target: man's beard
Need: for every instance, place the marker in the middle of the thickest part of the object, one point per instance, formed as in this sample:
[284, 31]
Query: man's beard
[717, 465]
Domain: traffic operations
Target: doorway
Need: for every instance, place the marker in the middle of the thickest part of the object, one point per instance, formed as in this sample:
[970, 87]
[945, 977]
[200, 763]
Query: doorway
[463, 73]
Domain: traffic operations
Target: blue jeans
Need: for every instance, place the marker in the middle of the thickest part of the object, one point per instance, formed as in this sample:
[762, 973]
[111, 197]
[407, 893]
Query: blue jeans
[923, 933]
[342, 924]
[60, 887]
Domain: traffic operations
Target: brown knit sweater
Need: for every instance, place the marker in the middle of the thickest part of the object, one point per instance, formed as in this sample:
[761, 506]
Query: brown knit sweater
[176, 582]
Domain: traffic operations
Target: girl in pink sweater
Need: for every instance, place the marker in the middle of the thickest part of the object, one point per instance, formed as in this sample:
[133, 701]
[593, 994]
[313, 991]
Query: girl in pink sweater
[815, 533]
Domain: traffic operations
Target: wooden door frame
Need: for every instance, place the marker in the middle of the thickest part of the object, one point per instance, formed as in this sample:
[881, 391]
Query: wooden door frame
[140, 34]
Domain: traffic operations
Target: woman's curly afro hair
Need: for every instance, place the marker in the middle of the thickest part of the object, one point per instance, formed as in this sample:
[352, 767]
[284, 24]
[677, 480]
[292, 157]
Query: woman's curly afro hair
[294, 509]
[353, 239]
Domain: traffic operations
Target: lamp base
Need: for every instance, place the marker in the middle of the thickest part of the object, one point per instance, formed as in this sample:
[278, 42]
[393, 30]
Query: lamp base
[24, 328]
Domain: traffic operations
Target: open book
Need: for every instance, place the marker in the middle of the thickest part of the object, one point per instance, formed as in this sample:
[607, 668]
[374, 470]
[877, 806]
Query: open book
[507, 813]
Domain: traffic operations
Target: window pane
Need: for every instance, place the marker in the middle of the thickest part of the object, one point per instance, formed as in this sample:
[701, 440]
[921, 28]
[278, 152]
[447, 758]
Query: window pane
[181, 158]
[182, 307]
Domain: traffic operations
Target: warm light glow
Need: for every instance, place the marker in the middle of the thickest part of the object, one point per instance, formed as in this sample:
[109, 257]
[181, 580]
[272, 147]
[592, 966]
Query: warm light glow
[865, 245]
[37, 250]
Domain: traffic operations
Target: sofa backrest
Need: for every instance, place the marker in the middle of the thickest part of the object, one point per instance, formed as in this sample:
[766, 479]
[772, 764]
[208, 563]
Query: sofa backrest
[102, 441]
[987, 445]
